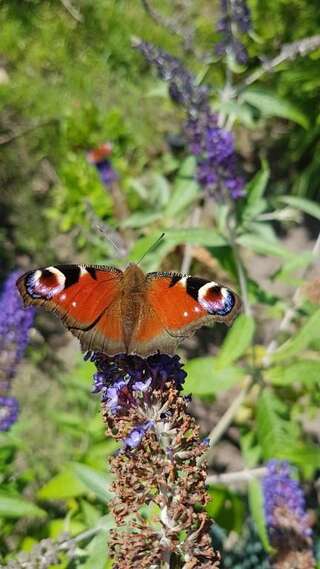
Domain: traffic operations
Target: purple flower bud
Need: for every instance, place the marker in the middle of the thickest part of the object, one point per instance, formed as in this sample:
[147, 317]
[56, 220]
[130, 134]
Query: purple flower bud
[9, 411]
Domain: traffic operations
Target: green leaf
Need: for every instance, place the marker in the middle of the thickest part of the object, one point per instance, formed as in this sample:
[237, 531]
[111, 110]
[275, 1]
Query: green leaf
[11, 507]
[254, 192]
[263, 246]
[206, 237]
[206, 378]
[62, 486]
[271, 105]
[300, 261]
[306, 372]
[256, 503]
[184, 193]
[309, 332]
[237, 341]
[95, 481]
[275, 434]
[141, 219]
[307, 206]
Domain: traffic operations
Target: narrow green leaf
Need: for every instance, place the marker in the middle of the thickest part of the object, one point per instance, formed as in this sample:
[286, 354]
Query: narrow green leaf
[306, 372]
[263, 246]
[308, 206]
[254, 192]
[193, 236]
[141, 219]
[95, 481]
[271, 105]
[11, 507]
[205, 378]
[256, 504]
[62, 486]
[309, 332]
[237, 341]
[184, 193]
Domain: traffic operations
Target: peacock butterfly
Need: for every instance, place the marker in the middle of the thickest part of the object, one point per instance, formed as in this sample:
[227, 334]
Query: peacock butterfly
[114, 311]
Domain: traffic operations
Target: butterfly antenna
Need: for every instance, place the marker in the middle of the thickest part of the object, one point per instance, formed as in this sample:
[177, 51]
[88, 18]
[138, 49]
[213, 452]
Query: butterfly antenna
[153, 246]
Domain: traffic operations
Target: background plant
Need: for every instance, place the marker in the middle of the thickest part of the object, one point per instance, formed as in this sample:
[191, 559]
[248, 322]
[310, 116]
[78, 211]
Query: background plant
[70, 80]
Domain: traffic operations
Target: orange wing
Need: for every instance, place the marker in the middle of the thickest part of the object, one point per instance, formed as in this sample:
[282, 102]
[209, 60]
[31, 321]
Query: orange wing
[86, 298]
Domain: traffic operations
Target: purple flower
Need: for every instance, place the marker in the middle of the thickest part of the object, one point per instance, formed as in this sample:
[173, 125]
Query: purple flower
[9, 411]
[15, 323]
[213, 147]
[235, 19]
[127, 385]
[136, 435]
[284, 503]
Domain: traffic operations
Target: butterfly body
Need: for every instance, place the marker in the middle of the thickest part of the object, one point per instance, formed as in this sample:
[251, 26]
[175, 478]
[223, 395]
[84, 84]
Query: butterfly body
[114, 311]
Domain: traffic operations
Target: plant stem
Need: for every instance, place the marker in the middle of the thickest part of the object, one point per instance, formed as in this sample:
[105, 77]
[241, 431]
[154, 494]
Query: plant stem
[237, 477]
[288, 52]
[228, 416]
[240, 268]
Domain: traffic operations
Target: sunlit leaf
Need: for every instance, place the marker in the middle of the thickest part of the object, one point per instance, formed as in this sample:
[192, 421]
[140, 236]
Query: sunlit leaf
[237, 341]
[306, 372]
[308, 333]
[206, 378]
[263, 246]
[62, 486]
[194, 236]
[183, 194]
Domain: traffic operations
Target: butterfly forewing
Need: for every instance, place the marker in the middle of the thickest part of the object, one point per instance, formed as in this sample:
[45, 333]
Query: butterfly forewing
[79, 294]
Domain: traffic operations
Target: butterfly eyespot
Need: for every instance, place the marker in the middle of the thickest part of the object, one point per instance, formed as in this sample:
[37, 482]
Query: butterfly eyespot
[216, 300]
[45, 283]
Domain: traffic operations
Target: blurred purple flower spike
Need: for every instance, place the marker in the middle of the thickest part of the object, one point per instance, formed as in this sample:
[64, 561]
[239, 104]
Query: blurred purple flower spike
[9, 411]
[15, 323]
[212, 146]
[216, 158]
[288, 523]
